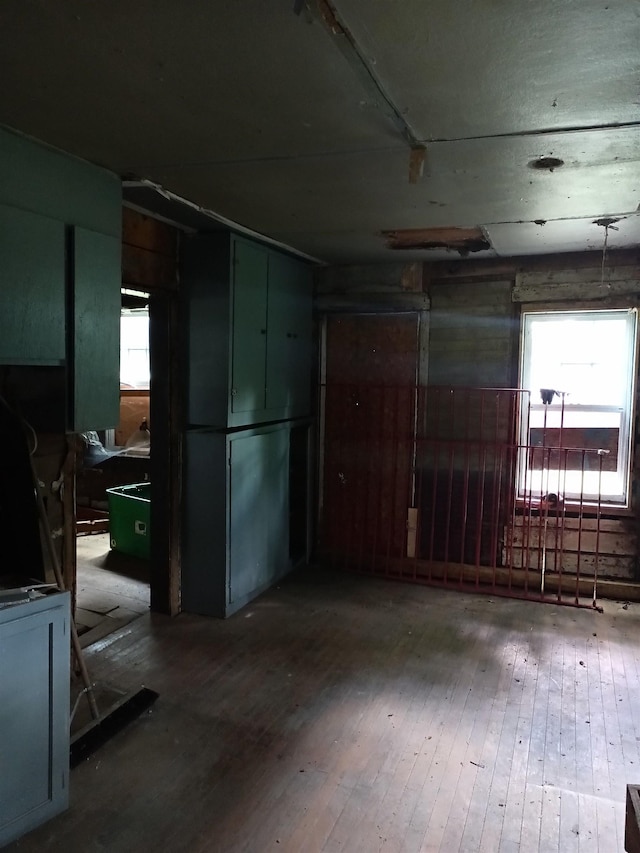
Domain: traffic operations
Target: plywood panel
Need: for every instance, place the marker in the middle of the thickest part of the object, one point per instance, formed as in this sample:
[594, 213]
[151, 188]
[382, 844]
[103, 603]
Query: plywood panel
[370, 406]
[473, 335]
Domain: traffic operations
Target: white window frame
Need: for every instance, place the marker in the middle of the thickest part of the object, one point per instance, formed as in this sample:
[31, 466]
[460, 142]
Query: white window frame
[532, 485]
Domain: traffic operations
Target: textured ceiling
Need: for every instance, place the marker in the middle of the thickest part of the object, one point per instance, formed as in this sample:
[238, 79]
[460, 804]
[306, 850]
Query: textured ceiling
[268, 117]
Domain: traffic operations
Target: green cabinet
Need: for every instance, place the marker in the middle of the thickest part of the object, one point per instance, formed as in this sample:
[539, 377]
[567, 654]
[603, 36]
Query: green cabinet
[248, 310]
[34, 713]
[94, 355]
[32, 288]
[249, 327]
[60, 280]
[236, 517]
[289, 341]
[258, 512]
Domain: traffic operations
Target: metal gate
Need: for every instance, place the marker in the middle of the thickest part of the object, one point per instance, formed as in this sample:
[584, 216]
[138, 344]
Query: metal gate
[461, 487]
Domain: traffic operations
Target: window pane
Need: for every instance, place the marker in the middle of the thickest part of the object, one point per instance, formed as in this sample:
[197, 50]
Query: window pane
[134, 348]
[585, 362]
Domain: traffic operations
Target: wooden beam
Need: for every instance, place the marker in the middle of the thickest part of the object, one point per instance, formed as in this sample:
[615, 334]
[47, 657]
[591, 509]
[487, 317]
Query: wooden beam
[371, 278]
[145, 232]
[147, 269]
[632, 820]
[459, 239]
[474, 270]
[372, 303]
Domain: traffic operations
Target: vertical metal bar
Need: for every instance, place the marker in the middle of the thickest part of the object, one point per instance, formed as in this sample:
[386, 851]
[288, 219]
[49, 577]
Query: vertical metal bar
[495, 490]
[465, 487]
[596, 566]
[451, 427]
[434, 496]
[526, 520]
[480, 499]
[449, 502]
[544, 508]
[563, 518]
[393, 521]
[364, 470]
[381, 456]
[434, 490]
[580, 517]
[514, 459]
[345, 475]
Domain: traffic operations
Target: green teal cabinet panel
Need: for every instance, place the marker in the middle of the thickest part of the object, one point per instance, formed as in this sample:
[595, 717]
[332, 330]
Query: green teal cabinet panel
[34, 713]
[248, 319]
[235, 527]
[205, 289]
[205, 523]
[36, 177]
[258, 527]
[249, 339]
[32, 288]
[289, 335]
[95, 349]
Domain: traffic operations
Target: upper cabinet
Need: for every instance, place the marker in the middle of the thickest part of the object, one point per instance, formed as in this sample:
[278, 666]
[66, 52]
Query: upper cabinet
[95, 321]
[249, 328]
[60, 279]
[32, 295]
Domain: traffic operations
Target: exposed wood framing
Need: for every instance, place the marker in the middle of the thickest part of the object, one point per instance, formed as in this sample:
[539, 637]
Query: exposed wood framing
[372, 85]
[149, 252]
[632, 820]
[150, 261]
[573, 543]
[372, 303]
[463, 240]
[476, 270]
[371, 278]
[560, 286]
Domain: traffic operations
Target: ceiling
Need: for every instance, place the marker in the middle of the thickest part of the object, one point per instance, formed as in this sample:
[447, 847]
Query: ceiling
[296, 118]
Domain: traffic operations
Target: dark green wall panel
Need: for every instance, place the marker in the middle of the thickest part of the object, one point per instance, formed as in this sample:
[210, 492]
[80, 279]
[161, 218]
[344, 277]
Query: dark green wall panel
[249, 327]
[289, 339]
[36, 177]
[95, 352]
[32, 288]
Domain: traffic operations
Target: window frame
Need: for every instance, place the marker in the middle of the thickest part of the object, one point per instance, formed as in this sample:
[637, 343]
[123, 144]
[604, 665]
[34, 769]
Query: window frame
[624, 466]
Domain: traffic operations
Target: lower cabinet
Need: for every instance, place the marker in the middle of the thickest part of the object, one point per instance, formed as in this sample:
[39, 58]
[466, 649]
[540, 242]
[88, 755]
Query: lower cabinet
[236, 517]
[34, 713]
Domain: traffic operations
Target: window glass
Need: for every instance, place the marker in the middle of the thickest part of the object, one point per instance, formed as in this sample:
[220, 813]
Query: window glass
[579, 369]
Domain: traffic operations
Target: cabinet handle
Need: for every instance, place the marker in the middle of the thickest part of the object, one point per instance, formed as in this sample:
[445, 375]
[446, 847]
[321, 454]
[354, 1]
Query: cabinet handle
[263, 331]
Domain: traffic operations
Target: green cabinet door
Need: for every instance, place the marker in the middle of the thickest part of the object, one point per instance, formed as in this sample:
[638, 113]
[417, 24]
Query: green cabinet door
[249, 340]
[289, 335]
[95, 355]
[258, 517]
[32, 288]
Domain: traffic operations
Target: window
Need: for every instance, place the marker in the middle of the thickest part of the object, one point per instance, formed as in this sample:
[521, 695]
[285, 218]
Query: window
[575, 435]
[134, 348]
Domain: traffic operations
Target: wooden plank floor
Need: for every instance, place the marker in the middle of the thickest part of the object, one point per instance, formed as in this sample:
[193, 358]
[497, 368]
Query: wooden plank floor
[112, 589]
[340, 713]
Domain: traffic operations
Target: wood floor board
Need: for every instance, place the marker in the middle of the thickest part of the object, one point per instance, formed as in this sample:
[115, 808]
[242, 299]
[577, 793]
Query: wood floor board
[339, 713]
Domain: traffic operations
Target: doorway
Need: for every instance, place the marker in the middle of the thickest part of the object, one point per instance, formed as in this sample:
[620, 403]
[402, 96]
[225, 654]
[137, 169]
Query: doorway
[113, 530]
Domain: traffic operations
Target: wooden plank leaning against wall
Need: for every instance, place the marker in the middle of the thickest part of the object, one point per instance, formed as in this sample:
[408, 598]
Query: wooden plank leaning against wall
[150, 263]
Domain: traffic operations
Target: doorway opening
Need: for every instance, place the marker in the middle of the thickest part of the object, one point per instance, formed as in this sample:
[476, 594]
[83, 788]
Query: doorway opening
[113, 530]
